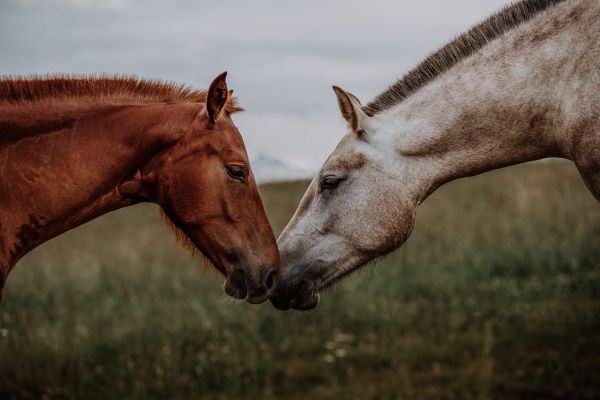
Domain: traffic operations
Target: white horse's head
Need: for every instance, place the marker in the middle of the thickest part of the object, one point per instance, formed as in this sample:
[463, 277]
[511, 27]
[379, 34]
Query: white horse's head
[358, 207]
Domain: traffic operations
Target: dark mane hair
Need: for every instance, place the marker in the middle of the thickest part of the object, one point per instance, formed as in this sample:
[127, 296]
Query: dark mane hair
[458, 49]
[40, 87]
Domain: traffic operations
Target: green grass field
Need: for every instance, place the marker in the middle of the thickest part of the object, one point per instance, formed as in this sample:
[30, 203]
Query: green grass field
[495, 296]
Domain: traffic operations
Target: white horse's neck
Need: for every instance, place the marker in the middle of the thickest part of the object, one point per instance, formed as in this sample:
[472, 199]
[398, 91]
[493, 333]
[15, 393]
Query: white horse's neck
[503, 106]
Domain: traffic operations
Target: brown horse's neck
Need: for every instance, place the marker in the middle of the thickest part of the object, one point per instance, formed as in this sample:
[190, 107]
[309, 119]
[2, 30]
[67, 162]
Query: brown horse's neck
[61, 164]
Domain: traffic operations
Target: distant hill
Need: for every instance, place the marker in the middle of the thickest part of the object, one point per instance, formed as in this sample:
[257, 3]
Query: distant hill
[269, 169]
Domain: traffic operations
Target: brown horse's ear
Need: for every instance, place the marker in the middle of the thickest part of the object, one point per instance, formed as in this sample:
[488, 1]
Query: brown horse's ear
[351, 110]
[217, 97]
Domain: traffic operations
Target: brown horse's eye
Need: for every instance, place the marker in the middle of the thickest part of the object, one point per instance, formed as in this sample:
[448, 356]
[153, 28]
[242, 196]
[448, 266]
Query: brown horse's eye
[236, 172]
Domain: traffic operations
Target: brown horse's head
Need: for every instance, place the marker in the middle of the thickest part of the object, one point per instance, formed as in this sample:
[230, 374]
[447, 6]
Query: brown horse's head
[206, 189]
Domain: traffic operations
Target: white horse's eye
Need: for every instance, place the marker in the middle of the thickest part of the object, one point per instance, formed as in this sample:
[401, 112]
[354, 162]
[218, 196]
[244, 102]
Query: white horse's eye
[330, 182]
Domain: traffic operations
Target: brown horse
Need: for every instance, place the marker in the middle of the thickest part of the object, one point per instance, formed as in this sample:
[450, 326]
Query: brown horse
[74, 148]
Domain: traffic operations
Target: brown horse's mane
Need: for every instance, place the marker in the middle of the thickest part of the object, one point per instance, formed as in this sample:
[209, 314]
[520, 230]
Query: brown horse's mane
[460, 48]
[42, 87]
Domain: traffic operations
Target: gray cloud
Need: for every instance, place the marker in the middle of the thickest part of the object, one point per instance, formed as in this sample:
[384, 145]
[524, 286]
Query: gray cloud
[282, 56]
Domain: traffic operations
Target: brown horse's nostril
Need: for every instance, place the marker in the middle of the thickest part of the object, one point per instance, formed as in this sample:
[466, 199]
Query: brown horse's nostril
[271, 280]
[235, 285]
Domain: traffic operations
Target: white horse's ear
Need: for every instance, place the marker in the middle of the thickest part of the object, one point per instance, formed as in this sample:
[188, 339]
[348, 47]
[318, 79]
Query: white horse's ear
[351, 110]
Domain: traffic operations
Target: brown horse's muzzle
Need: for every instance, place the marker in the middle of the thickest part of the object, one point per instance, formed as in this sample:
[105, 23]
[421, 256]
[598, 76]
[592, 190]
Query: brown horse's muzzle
[254, 286]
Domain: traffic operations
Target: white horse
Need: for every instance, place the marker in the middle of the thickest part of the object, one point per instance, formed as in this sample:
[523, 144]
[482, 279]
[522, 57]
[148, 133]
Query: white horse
[521, 86]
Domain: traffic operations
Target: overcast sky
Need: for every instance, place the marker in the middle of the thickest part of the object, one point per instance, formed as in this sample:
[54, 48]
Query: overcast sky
[282, 56]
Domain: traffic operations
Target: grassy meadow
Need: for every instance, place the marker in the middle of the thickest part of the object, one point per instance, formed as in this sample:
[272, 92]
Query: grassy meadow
[495, 296]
